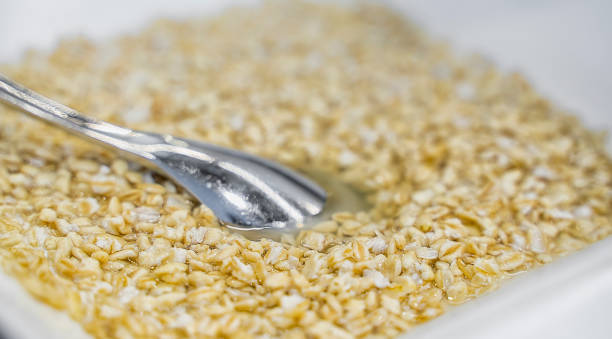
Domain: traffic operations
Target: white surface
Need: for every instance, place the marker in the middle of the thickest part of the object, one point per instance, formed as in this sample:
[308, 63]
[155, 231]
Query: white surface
[564, 48]
[23, 317]
[569, 298]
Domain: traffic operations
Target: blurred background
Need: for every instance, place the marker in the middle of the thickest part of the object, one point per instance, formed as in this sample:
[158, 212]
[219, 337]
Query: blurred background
[563, 47]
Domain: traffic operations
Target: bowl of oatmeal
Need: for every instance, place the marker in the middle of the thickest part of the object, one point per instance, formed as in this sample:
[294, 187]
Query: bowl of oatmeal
[472, 176]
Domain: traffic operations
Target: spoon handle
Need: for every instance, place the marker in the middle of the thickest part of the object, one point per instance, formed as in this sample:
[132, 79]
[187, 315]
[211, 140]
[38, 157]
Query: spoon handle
[70, 120]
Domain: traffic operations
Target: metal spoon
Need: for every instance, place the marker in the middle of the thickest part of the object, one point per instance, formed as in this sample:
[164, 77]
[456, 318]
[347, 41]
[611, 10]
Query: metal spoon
[244, 191]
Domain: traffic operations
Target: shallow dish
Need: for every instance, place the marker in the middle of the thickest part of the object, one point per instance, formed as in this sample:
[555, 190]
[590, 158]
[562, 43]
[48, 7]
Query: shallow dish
[510, 310]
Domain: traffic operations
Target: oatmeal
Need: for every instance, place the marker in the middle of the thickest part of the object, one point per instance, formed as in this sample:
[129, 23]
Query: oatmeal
[472, 176]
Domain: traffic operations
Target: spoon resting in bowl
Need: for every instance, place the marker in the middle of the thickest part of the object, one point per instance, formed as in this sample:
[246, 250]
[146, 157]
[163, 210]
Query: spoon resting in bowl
[245, 192]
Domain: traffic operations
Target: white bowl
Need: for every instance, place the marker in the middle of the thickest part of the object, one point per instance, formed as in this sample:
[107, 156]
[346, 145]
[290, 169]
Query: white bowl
[562, 46]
